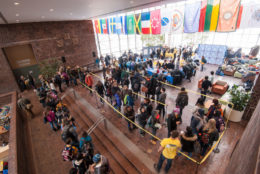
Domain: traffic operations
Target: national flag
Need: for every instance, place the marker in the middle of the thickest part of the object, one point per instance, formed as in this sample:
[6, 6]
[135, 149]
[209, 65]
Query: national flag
[124, 22]
[228, 14]
[250, 16]
[104, 26]
[156, 21]
[130, 24]
[177, 19]
[166, 20]
[202, 15]
[119, 24]
[208, 15]
[239, 16]
[192, 17]
[214, 16]
[146, 24]
[97, 26]
[138, 28]
[112, 25]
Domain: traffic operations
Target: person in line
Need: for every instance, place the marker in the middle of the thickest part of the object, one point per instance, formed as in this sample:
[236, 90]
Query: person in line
[197, 121]
[202, 62]
[129, 99]
[25, 105]
[85, 138]
[142, 119]
[100, 90]
[211, 77]
[205, 87]
[161, 99]
[79, 164]
[153, 122]
[69, 132]
[21, 82]
[188, 140]
[100, 166]
[130, 114]
[168, 149]
[213, 108]
[182, 100]
[31, 80]
[89, 82]
[173, 120]
[58, 81]
[49, 116]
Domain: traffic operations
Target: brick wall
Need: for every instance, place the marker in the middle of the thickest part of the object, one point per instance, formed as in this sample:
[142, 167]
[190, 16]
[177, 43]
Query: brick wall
[73, 39]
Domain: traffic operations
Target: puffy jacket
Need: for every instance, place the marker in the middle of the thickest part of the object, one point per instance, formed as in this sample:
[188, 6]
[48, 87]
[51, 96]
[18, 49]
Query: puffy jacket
[188, 143]
[51, 116]
[89, 80]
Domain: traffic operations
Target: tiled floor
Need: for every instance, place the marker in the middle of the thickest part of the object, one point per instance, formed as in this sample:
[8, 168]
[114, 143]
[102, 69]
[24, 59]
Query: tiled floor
[48, 144]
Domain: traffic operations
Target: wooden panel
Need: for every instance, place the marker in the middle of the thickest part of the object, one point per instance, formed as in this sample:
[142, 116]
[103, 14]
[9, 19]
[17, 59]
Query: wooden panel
[20, 56]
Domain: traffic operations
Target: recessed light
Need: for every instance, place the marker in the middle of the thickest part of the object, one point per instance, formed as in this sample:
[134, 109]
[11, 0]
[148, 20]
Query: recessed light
[70, 13]
[17, 14]
[43, 17]
[17, 21]
[131, 2]
[90, 5]
[16, 3]
[51, 9]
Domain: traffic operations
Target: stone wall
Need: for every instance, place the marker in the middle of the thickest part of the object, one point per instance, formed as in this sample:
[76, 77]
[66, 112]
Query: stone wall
[73, 39]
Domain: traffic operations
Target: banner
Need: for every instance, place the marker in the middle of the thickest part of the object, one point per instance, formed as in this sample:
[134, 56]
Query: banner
[146, 25]
[177, 19]
[250, 16]
[202, 15]
[119, 25]
[214, 16]
[208, 15]
[156, 21]
[124, 24]
[103, 26]
[130, 24]
[97, 26]
[138, 27]
[228, 13]
[192, 17]
[166, 20]
[112, 25]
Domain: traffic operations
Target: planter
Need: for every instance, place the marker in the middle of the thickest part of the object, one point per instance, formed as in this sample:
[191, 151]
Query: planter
[235, 116]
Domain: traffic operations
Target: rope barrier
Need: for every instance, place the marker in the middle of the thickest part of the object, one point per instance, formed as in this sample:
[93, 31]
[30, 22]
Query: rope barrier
[133, 91]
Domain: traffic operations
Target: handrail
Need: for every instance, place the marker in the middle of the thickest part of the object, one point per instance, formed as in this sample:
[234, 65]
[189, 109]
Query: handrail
[93, 127]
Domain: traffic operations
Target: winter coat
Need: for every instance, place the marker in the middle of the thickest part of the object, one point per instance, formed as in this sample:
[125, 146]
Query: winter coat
[51, 116]
[100, 89]
[89, 81]
[130, 114]
[182, 99]
[118, 100]
[162, 97]
[142, 117]
[188, 143]
[152, 86]
[171, 122]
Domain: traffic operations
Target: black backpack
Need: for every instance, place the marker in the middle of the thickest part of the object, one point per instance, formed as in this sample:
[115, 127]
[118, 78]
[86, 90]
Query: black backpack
[182, 101]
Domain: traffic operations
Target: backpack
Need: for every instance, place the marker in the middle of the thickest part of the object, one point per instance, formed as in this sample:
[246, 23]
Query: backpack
[220, 124]
[183, 102]
[67, 153]
[205, 137]
[136, 86]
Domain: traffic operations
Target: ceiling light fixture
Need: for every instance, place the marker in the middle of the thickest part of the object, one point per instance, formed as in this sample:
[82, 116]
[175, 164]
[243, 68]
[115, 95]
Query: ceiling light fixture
[17, 14]
[16, 3]
[131, 2]
[43, 17]
[17, 21]
[70, 13]
[51, 9]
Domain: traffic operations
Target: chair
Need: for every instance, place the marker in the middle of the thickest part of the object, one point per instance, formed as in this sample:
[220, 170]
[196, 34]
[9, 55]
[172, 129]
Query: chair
[200, 83]
[219, 87]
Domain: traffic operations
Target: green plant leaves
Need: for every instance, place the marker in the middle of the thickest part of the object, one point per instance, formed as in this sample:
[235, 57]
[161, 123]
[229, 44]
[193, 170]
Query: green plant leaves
[239, 98]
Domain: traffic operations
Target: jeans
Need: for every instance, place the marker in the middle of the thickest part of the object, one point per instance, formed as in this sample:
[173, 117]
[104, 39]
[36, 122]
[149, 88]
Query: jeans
[154, 130]
[130, 125]
[161, 160]
[204, 148]
[161, 108]
[55, 123]
[201, 67]
[141, 131]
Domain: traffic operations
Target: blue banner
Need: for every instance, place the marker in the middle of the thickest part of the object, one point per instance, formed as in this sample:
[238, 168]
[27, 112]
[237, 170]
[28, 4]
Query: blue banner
[192, 17]
[112, 26]
[119, 25]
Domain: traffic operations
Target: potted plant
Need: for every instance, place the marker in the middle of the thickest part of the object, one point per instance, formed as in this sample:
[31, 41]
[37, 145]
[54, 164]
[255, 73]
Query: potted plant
[239, 97]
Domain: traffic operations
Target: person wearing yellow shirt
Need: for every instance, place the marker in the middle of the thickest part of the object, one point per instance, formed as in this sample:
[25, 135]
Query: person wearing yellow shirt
[169, 148]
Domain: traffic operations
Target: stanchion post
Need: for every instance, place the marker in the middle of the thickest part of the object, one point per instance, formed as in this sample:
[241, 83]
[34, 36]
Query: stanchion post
[216, 150]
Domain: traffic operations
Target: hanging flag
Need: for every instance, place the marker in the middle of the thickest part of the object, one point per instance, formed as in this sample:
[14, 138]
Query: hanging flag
[97, 26]
[250, 16]
[104, 26]
[138, 28]
[166, 20]
[130, 24]
[228, 13]
[112, 26]
[124, 22]
[202, 15]
[156, 21]
[119, 24]
[239, 16]
[214, 16]
[177, 19]
[146, 25]
[192, 17]
[208, 15]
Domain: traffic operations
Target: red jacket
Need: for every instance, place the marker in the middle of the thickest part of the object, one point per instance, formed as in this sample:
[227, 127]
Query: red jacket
[89, 81]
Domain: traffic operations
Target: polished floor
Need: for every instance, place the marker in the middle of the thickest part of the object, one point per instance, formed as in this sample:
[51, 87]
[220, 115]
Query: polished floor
[47, 145]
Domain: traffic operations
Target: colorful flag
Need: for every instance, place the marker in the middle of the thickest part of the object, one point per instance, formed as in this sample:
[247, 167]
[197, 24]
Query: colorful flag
[156, 21]
[97, 26]
[146, 25]
[214, 16]
[166, 20]
[239, 16]
[228, 13]
[250, 16]
[202, 15]
[119, 24]
[130, 24]
[112, 26]
[177, 19]
[124, 22]
[138, 28]
[208, 15]
[192, 17]
[103, 26]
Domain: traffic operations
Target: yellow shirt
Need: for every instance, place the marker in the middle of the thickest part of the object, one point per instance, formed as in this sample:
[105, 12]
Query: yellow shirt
[170, 147]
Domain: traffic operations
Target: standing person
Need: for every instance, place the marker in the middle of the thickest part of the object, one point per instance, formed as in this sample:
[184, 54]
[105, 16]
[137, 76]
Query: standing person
[169, 147]
[58, 81]
[21, 83]
[153, 121]
[42, 96]
[188, 140]
[79, 164]
[49, 116]
[182, 101]
[100, 90]
[69, 132]
[130, 114]
[25, 105]
[197, 120]
[172, 121]
[100, 166]
[117, 102]
[211, 78]
[89, 82]
[129, 99]
[136, 85]
[142, 118]
[104, 70]
[85, 138]
[203, 61]
[152, 87]
[205, 87]
[31, 80]
[161, 99]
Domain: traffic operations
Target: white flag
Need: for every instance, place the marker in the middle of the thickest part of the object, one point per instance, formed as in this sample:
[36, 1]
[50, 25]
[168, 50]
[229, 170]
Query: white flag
[177, 19]
[166, 20]
[250, 16]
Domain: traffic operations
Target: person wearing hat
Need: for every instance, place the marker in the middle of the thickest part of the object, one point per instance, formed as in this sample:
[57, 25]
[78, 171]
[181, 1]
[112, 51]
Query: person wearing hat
[100, 166]
[173, 120]
[197, 120]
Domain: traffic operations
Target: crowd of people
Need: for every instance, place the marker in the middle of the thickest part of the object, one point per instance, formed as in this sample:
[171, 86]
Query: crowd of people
[122, 84]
